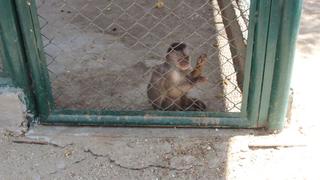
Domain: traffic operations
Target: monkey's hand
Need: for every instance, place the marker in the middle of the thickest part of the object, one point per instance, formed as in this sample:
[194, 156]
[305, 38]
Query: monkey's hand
[202, 60]
[201, 79]
[197, 71]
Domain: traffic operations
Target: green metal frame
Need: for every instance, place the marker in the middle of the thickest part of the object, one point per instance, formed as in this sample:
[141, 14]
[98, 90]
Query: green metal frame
[290, 13]
[272, 35]
[12, 53]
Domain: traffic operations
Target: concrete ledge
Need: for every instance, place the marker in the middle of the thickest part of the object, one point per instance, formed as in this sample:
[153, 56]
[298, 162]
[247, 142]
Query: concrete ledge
[5, 81]
[12, 111]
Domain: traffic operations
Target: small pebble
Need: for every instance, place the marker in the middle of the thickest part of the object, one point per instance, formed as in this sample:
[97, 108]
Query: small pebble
[159, 4]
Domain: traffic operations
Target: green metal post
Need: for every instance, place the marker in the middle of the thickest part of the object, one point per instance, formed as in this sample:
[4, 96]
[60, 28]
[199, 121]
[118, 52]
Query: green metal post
[291, 11]
[29, 24]
[12, 52]
[258, 61]
[271, 51]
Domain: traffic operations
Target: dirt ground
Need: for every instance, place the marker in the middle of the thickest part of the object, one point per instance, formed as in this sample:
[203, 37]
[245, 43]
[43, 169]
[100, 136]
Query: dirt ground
[101, 58]
[121, 153]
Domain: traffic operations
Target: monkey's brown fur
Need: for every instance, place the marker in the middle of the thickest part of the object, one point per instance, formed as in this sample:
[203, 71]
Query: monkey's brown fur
[171, 81]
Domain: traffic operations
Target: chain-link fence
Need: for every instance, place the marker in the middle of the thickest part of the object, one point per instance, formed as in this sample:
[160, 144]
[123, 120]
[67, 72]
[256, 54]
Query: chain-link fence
[101, 54]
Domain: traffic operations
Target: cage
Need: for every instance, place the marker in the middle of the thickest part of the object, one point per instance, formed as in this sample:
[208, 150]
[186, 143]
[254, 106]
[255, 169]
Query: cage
[120, 62]
[100, 54]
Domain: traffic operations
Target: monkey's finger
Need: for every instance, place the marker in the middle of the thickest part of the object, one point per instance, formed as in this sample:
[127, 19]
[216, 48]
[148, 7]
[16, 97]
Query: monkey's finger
[204, 56]
[202, 59]
[202, 79]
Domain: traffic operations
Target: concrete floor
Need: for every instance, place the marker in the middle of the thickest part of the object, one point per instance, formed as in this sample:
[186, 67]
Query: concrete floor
[116, 153]
[146, 153]
[134, 153]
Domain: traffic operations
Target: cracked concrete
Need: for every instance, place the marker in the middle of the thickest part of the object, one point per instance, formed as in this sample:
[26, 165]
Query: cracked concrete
[115, 153]
[138, 168]
[12, 111]
[47, 152]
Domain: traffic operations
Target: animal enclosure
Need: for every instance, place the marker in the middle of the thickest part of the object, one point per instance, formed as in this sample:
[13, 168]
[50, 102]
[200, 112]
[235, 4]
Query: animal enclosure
[100, 54]
[206, 63]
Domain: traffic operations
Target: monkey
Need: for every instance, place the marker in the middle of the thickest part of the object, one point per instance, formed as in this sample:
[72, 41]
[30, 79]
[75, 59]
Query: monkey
[172, 80]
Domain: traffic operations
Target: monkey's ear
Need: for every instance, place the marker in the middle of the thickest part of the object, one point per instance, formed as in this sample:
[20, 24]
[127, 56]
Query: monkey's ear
[186, 51]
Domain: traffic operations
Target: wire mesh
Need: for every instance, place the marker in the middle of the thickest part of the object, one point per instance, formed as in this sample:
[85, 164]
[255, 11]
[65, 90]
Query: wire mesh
[101, 54]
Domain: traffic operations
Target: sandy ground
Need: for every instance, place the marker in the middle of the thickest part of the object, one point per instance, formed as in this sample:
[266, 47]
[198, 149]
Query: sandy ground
[120, 153]
[105, 62]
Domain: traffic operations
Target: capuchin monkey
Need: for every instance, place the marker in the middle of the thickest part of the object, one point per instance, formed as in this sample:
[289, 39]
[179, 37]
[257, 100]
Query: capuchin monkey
[171, 81]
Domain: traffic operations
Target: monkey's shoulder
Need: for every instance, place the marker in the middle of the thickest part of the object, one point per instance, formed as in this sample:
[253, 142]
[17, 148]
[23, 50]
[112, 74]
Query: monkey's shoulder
[161, 69]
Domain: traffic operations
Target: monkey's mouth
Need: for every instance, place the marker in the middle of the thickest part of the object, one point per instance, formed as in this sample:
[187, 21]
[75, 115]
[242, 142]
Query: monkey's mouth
[184, 65]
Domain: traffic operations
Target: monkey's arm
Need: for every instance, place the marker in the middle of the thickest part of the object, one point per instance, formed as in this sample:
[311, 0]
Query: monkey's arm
[187, 84]
[197, 71]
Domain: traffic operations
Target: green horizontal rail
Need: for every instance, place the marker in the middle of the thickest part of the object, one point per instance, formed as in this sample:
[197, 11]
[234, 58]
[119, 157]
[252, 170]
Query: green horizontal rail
[149, 113]
[158, 121]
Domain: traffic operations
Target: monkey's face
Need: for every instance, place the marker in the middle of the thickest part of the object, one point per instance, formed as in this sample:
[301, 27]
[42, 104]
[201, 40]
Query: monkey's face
[180, 59]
